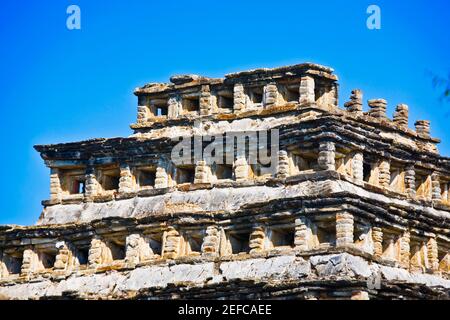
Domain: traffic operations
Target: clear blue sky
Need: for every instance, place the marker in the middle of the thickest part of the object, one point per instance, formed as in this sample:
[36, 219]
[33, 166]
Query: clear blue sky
[58, 85]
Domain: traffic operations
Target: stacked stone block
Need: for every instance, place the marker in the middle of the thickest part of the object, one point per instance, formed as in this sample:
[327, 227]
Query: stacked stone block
[410, 181]
[301, 236]
[344, 228]
[64, 258]
[257, 240]
[241, 169]
[55, 185]
[29, 262]
[377, 237]
[172, 243]
[423, 128]
[126, 179]
[307, 93]
[98, 253]
[358, 166]
[202, 173]
[432, 250]
[436, 191]
[210, 245]
[384, 175]
[270, 95]
[91, 187]
[239, 97]
[283, 165]
[401, 116]
[205, 100]
[142, 114]
[174, 106]
[405, 249]
[327, 155]
[161, 178]
[355, 105]
[377, 108]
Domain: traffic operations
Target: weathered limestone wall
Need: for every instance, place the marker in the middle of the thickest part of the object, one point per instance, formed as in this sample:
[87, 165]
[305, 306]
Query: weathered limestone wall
[274, 270]
[228, 199]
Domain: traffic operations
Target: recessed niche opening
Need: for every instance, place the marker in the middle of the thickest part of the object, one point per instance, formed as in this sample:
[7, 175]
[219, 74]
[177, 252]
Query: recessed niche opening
[224, 171]
[47, 259]
[325, 233]
[110, 179]
[117, 249]
[397, 179]
[292, 93]
[239, 242]
[423, 186]
[362, 237]
[13, 263]
[443, 258]
[304, 162]
[225, 102]
[282, 237]
[367, 171]
[194, 243]
[155, 243]
[147, 177]
[82, 255]
[78, 186]
[161, 111]
[185, 174]
[191, 104]
[255, 95]
[390, 246]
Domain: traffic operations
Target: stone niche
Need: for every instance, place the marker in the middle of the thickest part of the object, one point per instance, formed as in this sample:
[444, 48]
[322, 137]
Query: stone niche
[109, 178]
[423, 185]
[151, 107]
[254, 96]
[105, 250]
[46, 257]
[443, 258]
[222, 171]
[159, 107]
[325, 93]
[236, 241]
[190, 104]
[73, 181]
[303, 160]
[184, 174]
[191, 243]
[145, 177]
[280, 236]
[391, 245]
[10, 262]
[260, 171]
[323, 229]
[362, 236]
[418, 255]
[371, 170]
[445, 191]
[344, 161]
[289, 92]
[117, 248]
[222, 101]
[81, 255]
[397, 181]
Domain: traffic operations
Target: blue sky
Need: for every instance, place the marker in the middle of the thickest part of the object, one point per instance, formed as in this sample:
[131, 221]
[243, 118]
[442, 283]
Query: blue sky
[58, 85]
